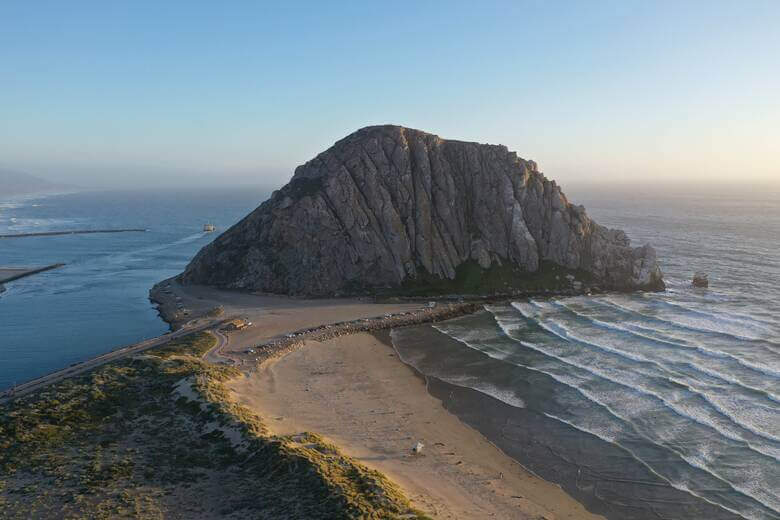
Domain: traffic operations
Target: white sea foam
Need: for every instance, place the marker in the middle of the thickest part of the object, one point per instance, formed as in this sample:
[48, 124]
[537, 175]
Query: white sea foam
[692, 324]
[749, 322]
[647, 334]
[767, 366]
[681, 486]
[765, 428]
[505, 396]
[720, 419]
[636, 408]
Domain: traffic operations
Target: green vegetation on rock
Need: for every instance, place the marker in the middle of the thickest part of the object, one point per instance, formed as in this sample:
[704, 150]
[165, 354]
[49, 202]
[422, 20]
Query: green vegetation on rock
[471, 279]
[386, 201]
[157, 436]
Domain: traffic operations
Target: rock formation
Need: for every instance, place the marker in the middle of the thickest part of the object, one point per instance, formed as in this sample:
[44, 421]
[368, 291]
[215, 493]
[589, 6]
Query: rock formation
[701, 279]
[388, 206]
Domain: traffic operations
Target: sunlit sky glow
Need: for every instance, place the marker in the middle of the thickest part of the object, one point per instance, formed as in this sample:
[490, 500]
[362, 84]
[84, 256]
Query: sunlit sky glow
[138, 93]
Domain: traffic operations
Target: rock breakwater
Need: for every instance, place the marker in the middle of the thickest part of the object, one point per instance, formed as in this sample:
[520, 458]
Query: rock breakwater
[294, 340]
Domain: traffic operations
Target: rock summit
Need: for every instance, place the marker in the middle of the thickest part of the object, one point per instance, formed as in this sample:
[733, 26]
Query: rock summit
[392, 208]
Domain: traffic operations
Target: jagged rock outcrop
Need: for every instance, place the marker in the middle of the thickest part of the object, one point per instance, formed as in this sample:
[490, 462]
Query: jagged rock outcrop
[389, 204]
[700, 279]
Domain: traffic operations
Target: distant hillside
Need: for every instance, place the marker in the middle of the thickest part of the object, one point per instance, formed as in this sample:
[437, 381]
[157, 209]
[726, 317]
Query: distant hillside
[18, 183]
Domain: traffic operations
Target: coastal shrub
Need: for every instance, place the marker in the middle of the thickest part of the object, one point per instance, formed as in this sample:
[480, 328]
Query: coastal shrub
[158, 434]
[472, 279]
[193, 346]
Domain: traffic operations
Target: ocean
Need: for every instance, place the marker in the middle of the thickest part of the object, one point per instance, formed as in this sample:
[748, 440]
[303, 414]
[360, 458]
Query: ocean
[643, 406]
[663, 405]
[100, 299]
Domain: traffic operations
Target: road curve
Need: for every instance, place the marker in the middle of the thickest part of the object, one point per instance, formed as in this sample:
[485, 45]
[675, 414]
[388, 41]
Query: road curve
[214, 354]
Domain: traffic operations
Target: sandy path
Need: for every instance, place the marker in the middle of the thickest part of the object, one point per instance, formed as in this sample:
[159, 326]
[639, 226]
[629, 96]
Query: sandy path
[214, 354]
[356, 392]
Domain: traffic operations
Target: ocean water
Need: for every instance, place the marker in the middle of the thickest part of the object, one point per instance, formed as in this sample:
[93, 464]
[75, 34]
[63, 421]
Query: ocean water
[662, 405]
[643, 406]
[99, 300]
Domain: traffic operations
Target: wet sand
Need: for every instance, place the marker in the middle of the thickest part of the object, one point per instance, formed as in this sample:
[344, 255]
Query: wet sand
[604, 476]
[355, 391]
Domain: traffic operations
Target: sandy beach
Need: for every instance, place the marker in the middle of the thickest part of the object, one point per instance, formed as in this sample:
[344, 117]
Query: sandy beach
[356, 392]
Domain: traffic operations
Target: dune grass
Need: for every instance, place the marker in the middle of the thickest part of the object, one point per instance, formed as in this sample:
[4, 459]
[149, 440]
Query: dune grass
[157, 436]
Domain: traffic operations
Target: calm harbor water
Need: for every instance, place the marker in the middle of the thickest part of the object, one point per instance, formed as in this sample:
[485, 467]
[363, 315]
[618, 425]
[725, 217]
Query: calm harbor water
[99, 300]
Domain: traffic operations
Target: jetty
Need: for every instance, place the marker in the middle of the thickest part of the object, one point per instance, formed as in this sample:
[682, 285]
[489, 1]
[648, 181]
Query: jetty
[9, 274]
[74, 232]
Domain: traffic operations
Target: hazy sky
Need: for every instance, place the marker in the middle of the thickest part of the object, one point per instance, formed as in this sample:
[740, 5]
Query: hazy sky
[133, 93]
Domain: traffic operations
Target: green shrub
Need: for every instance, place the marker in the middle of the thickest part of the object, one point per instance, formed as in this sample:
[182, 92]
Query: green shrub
[121, 442]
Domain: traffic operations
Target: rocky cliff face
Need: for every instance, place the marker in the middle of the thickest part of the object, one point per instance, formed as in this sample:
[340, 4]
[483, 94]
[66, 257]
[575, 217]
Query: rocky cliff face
[389, 205]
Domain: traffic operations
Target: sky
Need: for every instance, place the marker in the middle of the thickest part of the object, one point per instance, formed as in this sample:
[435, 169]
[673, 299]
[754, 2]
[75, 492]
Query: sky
[145, 93]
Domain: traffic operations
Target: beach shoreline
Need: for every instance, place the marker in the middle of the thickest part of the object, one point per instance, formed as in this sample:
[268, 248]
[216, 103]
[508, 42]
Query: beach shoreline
[355, 391]
[351, 339]
[286, 330]
[482, 482]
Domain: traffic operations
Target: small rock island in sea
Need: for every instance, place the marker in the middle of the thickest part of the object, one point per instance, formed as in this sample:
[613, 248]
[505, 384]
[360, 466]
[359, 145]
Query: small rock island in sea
[396, 210]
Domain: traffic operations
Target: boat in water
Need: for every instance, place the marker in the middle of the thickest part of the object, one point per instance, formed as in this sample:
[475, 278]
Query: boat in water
[209, 228]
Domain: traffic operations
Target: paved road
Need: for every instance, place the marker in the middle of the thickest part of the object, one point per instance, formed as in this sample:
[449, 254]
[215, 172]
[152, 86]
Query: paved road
[114, 355]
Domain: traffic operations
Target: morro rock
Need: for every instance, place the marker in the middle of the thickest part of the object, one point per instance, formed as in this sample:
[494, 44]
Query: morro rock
[389, 207]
